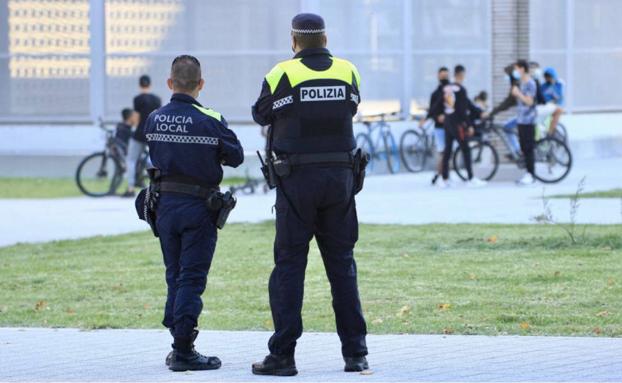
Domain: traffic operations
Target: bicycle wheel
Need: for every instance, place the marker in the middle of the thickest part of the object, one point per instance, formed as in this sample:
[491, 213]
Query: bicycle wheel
[99, 174]
[553, 160]
[392, 152]
[363, 141]
[561, 133]
[413, 150]
[484, 161]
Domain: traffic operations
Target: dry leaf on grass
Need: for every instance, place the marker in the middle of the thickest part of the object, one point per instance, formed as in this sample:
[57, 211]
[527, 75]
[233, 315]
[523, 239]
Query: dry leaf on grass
[524, 325]
[597, 330]
[444, 306]
[40, 305]
[377, 321]
[492, 239]
[405, 310]
[602, 313]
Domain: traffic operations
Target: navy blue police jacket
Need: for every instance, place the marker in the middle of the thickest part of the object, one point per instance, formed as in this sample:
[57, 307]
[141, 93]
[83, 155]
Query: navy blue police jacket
[187, 139]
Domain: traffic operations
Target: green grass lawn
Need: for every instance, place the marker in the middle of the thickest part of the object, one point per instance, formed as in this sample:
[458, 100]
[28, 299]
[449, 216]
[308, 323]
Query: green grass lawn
[463, 279]
[55, 187]
[613, 193]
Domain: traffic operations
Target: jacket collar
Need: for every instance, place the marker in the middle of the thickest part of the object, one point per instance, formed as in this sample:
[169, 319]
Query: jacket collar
[312, 52]
[182, 97]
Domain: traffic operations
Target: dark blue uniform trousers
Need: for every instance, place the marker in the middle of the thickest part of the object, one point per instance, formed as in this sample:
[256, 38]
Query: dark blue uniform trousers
[322, 205]
[188, 239]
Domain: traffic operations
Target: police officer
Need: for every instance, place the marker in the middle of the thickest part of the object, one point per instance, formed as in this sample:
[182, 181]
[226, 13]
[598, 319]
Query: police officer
[188, 143]
[309, 102]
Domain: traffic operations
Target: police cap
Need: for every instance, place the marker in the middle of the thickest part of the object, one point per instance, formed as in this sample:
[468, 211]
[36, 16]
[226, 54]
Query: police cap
[308, 24]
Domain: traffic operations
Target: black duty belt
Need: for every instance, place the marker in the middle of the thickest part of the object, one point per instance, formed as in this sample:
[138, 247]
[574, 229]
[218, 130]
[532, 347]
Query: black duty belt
[185, 185]
[337, 158]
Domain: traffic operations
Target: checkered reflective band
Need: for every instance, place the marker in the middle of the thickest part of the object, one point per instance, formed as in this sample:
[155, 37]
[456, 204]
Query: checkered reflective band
[282, 102]
[308, 31]
[182, 139]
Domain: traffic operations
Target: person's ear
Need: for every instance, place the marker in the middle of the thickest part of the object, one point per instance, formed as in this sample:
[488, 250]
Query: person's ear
[169, 83]
[325, 40]
[201, 84]
[293, 43]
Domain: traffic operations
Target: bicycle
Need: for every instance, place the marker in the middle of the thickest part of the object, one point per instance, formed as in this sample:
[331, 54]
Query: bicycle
[101, 173]
[250, 186]
[384, 146]
[417, 145]
[553, 159]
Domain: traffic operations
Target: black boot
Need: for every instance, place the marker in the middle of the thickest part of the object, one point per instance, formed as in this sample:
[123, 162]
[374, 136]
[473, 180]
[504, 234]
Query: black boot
[276, 365]
[169, 357]
[355, 363]
[184, 357]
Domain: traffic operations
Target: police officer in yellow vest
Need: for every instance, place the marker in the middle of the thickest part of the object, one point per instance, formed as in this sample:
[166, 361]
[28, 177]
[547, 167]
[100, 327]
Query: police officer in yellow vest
[309, 103]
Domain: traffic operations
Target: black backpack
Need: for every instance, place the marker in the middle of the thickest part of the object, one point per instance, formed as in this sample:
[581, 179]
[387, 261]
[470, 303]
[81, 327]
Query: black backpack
[539, 95]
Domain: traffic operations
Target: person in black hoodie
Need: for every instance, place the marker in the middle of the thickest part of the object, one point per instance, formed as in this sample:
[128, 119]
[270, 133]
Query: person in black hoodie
[436, 113]
[457, 125]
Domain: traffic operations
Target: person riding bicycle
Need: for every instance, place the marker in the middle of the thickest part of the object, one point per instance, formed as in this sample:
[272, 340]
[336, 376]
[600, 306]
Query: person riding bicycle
[525, 93]
[477, 111]
[145, 103]
[123, 130]
[436, 113]
[457, 125]
[553, 93]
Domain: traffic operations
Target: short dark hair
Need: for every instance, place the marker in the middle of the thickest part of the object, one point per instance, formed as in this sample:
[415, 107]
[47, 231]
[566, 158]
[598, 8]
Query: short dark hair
[186, 73]
[144, 81]
[482, 96]
[523, 64]
[459, 69]
[309, 40]
[443, 69]
[126, 113]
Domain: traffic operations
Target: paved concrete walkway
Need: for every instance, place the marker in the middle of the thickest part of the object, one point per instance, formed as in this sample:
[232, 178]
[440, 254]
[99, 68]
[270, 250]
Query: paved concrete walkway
[402, 199]
[42, 355]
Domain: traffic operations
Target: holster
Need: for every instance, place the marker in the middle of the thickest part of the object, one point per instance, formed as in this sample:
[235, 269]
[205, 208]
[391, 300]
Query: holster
[267, 169]
[147, 201]
[359, 163]
[223, 203]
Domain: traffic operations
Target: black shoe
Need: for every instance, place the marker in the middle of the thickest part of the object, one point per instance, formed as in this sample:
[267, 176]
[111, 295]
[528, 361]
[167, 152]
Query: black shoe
[434, 179]
[192, 361]
[276, 365]
[355, 364]
[185, 358]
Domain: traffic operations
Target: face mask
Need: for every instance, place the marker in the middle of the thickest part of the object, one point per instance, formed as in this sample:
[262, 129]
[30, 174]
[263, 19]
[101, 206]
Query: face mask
[538, 73]
[516, 74]
[444, 82]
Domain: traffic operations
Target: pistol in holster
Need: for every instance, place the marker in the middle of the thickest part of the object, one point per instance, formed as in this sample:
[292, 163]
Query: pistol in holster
[147, 200]
[223, 203]
[360, 160]
[269, 170]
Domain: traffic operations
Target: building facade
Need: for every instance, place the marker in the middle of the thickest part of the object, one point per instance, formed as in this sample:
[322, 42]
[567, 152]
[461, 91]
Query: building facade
[72, 61]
